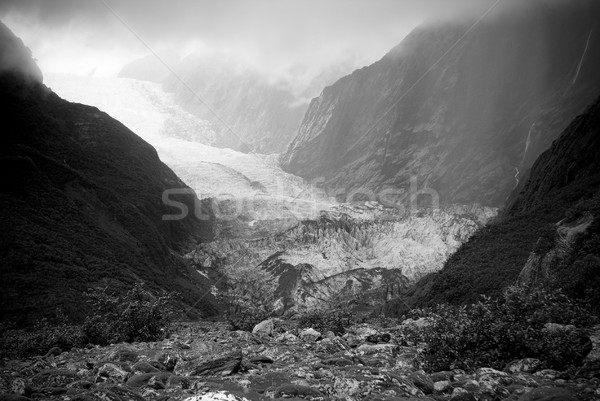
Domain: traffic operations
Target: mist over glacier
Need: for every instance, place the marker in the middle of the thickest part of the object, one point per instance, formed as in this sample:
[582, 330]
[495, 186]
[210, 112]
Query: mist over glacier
[183, 142]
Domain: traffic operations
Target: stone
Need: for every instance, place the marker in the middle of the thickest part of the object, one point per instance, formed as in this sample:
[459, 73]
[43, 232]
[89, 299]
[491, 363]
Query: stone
[224, 363]
[526, 365]
[217, 396]
[441, 386]
[309, 335]
[558, 328]
[14, 397]
[264, 328]
[144, 367]
[123, 355]
[295, 390]
[20, 387]
[54, 378]
[422, 381]
[379, 338]
[111, 371]
[54, 351]
[548, 394]
[143, 379]
[460, 394]
[168, 360]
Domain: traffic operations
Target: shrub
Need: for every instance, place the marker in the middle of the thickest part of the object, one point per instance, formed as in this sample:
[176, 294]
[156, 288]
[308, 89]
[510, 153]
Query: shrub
[494, 332]
[327, 319]
[136, 315]
[250, 296]
[41, 338]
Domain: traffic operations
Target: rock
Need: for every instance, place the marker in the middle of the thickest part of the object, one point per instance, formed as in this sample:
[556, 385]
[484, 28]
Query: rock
[548, 394]
[223, 364]
[111, 371]
[286, 338]
[548, 374]
[558, 328]
[123, 355]
[108, 393]
[590, 370]
[422, 381]
[309, 335]
[295, 390]
[443, 375]
[13, 397]
[168, 360]
[492, 382]
[143, 379]
[279, 307]
[419, 323]
[264, 328]
[441, 386]
[370, 349]
[460, 394]
[526, 365]
[54, 378]
[379, 338]
[20, 387]
[54, 351]
[144, 367]
[217, 396]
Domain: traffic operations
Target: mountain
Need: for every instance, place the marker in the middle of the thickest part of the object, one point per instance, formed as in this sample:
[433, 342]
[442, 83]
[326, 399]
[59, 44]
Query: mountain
[151, 68]
[81, 203]
[548, 236]
[462, 107]
[248, 109]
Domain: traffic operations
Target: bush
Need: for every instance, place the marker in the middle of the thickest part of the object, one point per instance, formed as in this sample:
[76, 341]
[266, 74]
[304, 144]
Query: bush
[41, 338]
[250, 296]
[136, 315]
[327, 319]
[494, 332]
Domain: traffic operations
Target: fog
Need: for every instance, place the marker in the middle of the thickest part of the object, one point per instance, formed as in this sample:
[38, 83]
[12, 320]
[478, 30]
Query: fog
[276, 36]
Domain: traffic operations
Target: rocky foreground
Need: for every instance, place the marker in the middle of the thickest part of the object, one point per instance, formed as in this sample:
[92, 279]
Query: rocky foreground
[208, 361]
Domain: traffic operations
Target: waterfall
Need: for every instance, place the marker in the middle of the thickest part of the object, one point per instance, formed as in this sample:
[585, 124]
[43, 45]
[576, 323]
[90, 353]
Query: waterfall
[582, 57]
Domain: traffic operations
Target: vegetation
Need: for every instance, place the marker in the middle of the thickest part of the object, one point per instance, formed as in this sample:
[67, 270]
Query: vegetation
[137, 315]
[493, 332]
[250, 296]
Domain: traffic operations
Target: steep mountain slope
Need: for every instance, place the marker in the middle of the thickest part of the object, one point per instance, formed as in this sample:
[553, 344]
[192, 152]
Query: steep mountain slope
[549, 235]
[462, 110]
[80, 203]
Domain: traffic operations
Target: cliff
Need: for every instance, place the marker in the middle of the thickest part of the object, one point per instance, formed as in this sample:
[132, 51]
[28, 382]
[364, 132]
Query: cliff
[463, 108]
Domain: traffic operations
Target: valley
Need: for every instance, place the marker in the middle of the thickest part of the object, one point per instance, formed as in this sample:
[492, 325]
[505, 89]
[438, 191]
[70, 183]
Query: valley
[269, 218]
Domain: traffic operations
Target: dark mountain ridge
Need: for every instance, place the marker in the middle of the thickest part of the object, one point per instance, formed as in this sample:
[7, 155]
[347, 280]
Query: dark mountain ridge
[464, 111]
[548, 236]
[81, 203]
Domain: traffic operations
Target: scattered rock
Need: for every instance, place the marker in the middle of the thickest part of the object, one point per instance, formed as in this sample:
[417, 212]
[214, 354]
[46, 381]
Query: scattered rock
[441, 386]
[527, 365]
[548, 394]
[264, 328]
[309, 335]
[224, 364]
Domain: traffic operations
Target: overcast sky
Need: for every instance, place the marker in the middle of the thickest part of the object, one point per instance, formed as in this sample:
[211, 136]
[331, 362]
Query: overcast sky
[96, 35]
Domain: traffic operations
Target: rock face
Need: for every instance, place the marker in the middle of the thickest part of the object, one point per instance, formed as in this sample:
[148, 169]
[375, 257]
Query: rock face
[81, 201]
[365, 250]
[464, 111]
[548, 235]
